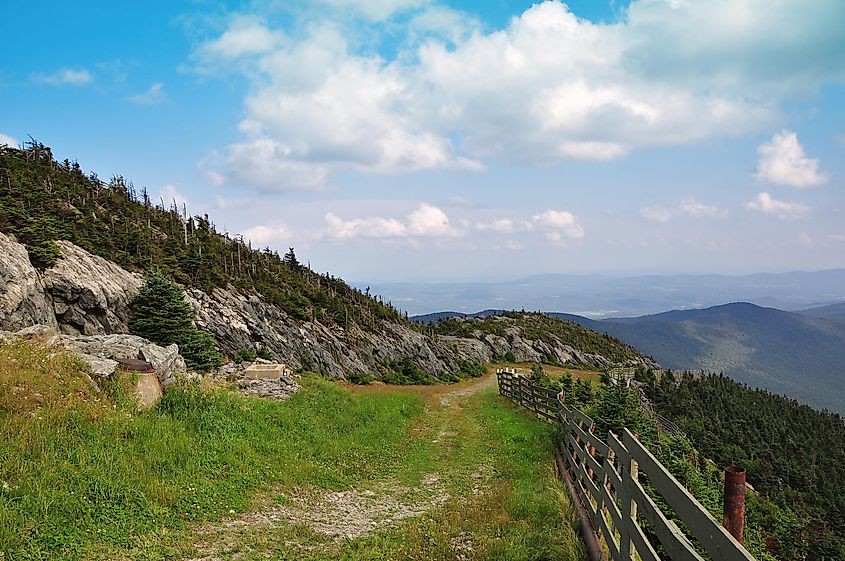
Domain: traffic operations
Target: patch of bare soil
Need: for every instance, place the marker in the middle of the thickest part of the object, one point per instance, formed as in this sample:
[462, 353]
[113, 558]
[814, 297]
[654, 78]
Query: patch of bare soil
[337, 515]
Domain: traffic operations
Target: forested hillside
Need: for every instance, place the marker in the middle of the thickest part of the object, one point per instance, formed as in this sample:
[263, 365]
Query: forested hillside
[42, 200]
[793, 454]
[783, 352]
[542, 327]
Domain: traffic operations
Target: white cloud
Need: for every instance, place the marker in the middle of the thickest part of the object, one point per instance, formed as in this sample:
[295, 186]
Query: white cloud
[9, 141]
[377, 10]
[152, 96]
[764, 203]
[559, 224]
[224, 203]
[688, 207]
[657, 213]
[66, 76]
[428, 220]
[425, 220]
[548, 86]
[170, 193]
[442, 22]
[372, 227]
[246, 35]
[783, 160]
[263, 234]
[502, 225]
[269, 165]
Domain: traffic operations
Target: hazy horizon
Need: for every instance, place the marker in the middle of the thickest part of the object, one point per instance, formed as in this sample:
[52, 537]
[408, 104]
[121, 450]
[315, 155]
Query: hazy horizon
[604, 296]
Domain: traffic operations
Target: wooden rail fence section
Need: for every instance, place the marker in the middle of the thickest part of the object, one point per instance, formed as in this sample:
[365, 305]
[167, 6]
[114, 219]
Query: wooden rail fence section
[610, 479]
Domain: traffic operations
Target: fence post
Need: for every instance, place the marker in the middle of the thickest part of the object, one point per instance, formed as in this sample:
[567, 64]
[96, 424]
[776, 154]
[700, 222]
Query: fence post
[734, 504]
[627, 545]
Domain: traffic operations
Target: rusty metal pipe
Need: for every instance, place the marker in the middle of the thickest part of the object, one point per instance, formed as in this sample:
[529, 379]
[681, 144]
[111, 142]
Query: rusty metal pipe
[589, 535]
[734, 505]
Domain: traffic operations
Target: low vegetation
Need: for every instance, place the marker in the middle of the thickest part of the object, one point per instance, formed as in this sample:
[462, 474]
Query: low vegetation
[86, 476]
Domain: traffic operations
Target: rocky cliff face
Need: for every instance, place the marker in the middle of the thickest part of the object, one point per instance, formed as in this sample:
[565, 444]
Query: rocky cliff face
[90, 295]
[84, 296]
[241, 321]
[23, 301]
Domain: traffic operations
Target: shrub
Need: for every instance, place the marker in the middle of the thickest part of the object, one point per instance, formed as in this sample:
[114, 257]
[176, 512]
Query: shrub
[360, 378]
[539, 377]
[405, 372]
[245, 355]
[471, 370]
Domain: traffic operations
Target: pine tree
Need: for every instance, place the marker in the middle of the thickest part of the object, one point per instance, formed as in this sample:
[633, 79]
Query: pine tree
[290, 259]
[161, 314]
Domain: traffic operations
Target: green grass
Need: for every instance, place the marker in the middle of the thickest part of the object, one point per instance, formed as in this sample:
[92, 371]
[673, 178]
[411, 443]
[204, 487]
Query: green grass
[83, 477]
[521, 513]
[92, 480]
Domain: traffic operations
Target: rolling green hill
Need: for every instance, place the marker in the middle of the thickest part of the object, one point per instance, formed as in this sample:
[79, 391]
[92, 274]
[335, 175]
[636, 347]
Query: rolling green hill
[784, 352]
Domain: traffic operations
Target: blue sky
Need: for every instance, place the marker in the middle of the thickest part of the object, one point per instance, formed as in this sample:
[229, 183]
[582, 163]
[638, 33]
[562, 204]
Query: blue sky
[426, 140]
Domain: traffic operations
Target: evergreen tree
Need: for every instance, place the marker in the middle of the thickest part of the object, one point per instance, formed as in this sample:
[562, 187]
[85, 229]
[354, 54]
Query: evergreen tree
[290, 259]
[161, 314]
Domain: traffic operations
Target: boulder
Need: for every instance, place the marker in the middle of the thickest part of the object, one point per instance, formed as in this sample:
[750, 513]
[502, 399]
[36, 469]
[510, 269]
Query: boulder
[100, 352]
[167, 361]
[90, 295]
[23, 300]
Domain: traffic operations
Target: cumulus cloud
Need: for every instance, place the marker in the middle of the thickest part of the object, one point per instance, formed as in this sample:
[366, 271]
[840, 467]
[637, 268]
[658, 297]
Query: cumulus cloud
[9, 141]
[546, 87]
[152, 96]
[501, 225]
[66, 76]
[269, 165]
[783, 160]
[559, 224]
[425, 220]
[428, 220]
[764, 203]
[688, 207]
[246, 35]
[263, 234]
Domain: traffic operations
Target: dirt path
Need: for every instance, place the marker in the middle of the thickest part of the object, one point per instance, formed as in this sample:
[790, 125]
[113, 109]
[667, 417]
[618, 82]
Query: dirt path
[313, 519]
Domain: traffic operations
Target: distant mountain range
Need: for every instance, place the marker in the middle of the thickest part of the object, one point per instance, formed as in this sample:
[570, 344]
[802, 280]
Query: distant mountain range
[603, 296]
[800, 354]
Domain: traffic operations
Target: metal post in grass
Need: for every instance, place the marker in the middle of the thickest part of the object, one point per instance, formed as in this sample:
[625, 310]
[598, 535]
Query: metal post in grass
[734, 504]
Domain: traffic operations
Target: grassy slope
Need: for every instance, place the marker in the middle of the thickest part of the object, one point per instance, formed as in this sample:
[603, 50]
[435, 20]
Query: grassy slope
[83, 477]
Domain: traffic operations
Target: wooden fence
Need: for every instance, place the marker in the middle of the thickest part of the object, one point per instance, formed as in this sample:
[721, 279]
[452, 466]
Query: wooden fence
[610, 479]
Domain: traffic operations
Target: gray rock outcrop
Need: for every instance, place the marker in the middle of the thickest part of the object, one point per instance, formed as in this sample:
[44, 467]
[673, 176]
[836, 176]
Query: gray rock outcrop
[240, 321]
[23, 300]
[88, 299]
[100, 352]
[90, 295]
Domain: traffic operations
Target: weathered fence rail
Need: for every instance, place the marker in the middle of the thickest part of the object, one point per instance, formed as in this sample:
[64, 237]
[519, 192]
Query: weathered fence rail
[610, 479]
